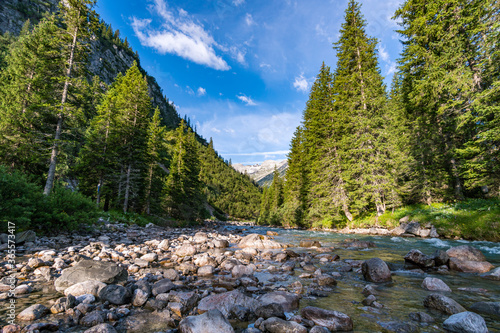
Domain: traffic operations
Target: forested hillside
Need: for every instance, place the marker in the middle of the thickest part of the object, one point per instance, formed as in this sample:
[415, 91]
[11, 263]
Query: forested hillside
[77, 111]
[433, 139]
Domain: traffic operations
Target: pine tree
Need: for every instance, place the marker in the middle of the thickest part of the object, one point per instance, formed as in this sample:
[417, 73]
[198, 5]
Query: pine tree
[78, 19]
[184, 199]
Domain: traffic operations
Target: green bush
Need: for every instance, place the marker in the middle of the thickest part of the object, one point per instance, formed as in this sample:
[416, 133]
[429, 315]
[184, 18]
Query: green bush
[19, 199]
[64, 209]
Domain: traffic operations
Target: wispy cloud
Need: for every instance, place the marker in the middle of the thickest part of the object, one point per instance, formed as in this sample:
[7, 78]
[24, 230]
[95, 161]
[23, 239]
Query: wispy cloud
[238, 2]
[384, 55]
[179, 35]
[201, 91]
[278, 152]
[247, 100]
[301, 83]
[249, 19]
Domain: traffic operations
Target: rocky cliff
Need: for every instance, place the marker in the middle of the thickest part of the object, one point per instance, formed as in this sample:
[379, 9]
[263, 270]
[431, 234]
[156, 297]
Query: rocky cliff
[107, 59]
[263, 173]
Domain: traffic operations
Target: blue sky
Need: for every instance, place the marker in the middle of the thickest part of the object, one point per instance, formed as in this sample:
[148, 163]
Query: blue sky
[242, 69]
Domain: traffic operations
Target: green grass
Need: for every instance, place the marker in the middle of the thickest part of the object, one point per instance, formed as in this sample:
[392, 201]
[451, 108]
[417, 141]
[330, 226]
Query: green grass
[474, 219]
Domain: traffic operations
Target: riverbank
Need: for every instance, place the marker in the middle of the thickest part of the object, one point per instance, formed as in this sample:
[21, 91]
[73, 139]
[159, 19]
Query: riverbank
[160, 277]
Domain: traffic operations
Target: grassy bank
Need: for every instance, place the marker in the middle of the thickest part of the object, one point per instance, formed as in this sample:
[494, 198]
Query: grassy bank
[474, 219]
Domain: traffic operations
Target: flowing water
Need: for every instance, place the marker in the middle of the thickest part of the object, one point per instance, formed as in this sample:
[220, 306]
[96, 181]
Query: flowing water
[405, 294]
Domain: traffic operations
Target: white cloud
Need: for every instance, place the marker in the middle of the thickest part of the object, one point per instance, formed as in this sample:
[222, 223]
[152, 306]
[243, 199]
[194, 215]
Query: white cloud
[238, 55]
[215, 129]
[247, 100]
[279, 152]
[384, 55]
[189, 90]
[180, 36]
[249, 19]
[301, 83]
[201, 91]
[238, 2]
[391, 69]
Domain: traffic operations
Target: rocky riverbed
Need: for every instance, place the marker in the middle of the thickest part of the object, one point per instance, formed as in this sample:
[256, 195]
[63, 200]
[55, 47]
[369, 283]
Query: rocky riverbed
[237, 278]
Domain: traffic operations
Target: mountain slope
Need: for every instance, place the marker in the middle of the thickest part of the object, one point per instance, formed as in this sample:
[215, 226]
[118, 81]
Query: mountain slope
[263, 173]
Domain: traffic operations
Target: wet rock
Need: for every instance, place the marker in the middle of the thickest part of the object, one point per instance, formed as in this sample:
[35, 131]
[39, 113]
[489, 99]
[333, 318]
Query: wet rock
[85, 299]
[466, 252]
[289, 301]
[493, 275]
[277, 325]
[225, 301]
[93, 318]
[241, 313]
[162, 286]
[465, 322]
[40, 327]
[200, 237]
[115, 294]
[416, 257]
[421, 317]
[368, 301]
[186, 250]
[36, 311]
[207, 270]
[358, 244]
[220, 243]
[146, 322]
[11, 329]
[333, 320]
[101, 328]
[91, 270]
[23, 289]
[369, 290]
[443, 304]
[25, 237]
[319, 329]
[326, 280]
[491, 308]
[469, 266]
[399, 327]
[187, 300]
[271, 233]
[150, 257]
[376, 270]
[257, 241]
[309, 243]
[441, 258]
[435, 284]
[212, 321]
[270, 310]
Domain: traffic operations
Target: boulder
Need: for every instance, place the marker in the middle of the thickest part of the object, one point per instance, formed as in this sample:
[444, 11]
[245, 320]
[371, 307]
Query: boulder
[333, 320]
[186, 250]
[162, 286]
[469, 266]
[220, 243]
[289, 301]
[358, 244]
[443, 304]
[25, 236]
[277, 325]
[421, 317]
[225, 301]
[257, 241]
[115, 294]
[413, 228]
[212, 321]
[441, 258]
[200, 237]
[207, 270]
[490, 308]
[243, 270]
[85, 288]
[36, 311]
[466, 252]
[91, 270]
[435, 284]
[270, 310]
[376, 270]
[465, 322]
[309, 243]
[416, 257]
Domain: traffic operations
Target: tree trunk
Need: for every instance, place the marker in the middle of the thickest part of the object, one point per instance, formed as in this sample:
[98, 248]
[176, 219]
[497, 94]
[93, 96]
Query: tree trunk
[127, 188]
[60, 117]
[148, 189]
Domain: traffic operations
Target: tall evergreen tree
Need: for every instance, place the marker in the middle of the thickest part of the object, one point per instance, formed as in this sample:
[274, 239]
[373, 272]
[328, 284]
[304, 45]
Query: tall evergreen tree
[184, 197]
[78, 19]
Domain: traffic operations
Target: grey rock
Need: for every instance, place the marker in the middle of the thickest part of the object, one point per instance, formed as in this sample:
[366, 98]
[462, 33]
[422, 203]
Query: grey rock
[220, 243]
[25, 236]
[186, 250]
[257, 241]
[416, 257]
[399, 327]
[162, 286]
[289, 301]
[241, 313]
[270, 310]
[376, 270]
[490, 308]
[319, 329]
[63, 304]
[140, 297]
[243, 270]
[101, 328]
[36, 311]
[207, 270]
[277, 325]
[200, 237]
[469, 266]
[225, 301]
[443, 304]
[465, 322]
[435, 284]
[492, 275]
[146, 322]
[212, 321]
[115, 294]
[85, 288]
[86, 270]
[441, 258]
[326, 280]
[413, 228]
[93, 318]
[333, 320]
[421, 317]
[309, 243]
[40, 327]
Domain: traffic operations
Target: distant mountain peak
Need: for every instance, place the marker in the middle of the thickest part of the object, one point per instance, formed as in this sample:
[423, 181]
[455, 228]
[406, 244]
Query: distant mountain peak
[262, 173]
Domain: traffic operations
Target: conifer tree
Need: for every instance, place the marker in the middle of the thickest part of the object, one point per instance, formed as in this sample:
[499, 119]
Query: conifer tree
[183, 199]
[78, 19]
